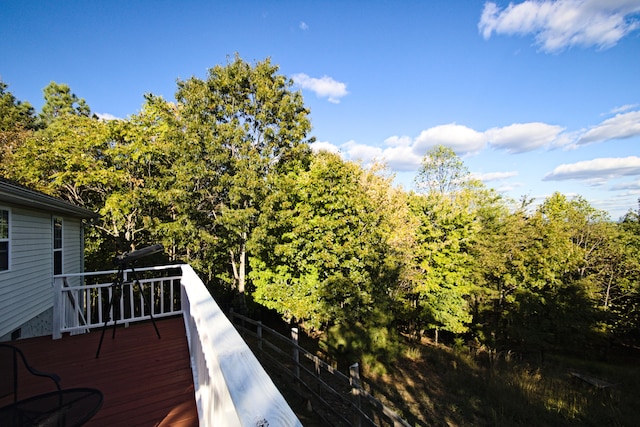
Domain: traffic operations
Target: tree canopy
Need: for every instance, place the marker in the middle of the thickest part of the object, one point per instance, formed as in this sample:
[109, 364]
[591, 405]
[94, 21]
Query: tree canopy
[224, 177]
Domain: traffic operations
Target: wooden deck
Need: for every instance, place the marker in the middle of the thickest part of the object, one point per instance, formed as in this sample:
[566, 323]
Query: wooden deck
[146, 381]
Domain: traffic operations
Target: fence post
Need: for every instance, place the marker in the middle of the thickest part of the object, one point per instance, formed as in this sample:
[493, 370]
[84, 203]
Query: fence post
[354, 381]
[296, 355]
[316, 360]
[259, 333]
[58, 312]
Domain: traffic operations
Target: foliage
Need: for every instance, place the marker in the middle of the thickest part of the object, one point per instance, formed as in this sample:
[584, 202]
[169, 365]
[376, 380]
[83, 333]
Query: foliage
[224, 178]
[321, 255]
[17, 120]
[59, 101]
[240, 125]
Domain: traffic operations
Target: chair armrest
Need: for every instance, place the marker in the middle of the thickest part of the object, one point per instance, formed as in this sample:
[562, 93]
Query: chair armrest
[54, 377]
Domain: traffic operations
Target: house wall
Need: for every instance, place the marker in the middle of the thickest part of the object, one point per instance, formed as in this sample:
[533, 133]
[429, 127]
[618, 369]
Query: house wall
[26, 292]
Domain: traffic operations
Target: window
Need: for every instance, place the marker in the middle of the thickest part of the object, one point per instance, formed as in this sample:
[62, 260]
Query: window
[57, 245]
[4, 239]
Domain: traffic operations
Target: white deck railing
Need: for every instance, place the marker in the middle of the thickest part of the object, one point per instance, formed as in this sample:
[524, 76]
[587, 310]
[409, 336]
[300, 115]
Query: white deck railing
[231, 387]
[82, 300]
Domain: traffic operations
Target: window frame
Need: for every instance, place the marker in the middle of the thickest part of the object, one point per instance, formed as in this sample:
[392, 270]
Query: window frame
[7, 239]
[58, 251]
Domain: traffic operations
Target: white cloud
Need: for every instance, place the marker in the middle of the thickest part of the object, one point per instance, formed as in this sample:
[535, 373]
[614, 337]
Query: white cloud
[522, 137]
[106, 117]
[362, 152]
[596, 170]
[324, 87]
[621, 126]
[459, 138]
[396, 141]
[303, 26]
[324, 146]
[401, 158]
[558, 24]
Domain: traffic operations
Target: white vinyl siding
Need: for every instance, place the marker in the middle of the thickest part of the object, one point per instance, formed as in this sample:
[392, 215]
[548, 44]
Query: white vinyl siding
[26, 289]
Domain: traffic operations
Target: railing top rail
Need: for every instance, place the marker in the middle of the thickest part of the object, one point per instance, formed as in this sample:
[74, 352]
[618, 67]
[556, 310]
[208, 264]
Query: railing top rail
[103, 273]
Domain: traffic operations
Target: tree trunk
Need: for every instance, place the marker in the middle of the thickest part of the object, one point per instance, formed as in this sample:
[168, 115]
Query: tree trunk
[239, 273]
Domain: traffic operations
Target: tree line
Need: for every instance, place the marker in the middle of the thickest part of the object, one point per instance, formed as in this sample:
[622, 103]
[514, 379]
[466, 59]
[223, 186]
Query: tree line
[223, 176]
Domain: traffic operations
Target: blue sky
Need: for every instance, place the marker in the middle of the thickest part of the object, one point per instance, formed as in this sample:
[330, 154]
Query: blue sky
[535, 96]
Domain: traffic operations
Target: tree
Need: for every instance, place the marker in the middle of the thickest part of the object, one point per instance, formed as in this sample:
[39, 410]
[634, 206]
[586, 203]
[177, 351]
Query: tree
[322, 254]
[448, 229]
[444, 261]
[551, 299]
[442, 172]
[240, 125]
[13, 112]
[17, 121]
[620, 296]
[66, 159]
[60, 101]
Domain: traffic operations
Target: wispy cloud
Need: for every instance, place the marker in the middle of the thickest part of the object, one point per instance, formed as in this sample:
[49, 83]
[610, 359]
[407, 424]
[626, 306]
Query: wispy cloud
[623, 108]
[632, 186]
[303, 26]
[560, 24]
[596, 169]
[494, 176]
[625, 125]
[324, 87]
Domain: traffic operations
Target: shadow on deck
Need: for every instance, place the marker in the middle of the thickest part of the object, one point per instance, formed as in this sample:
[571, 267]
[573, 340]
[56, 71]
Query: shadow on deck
[146, 381]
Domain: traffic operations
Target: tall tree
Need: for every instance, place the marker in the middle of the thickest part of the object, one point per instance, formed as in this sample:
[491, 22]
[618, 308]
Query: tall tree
[441, 171]
[322, 254]
[448, 228]
[240, 125]
[60, 101]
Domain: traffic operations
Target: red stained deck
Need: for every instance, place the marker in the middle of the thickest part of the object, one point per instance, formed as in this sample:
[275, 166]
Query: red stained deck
[146, 381]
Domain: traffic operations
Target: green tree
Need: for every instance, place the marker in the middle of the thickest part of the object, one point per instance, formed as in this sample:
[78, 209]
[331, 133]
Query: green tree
[322, 254]
[13, 112]
[17, 121]
[444, 261]
[446, 212]
[553, 289]
[620, 295]
[67, 159]
[240, 125]
[60, 101]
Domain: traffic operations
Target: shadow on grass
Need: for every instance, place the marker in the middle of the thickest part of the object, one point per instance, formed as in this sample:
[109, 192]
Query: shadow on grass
[438, 386]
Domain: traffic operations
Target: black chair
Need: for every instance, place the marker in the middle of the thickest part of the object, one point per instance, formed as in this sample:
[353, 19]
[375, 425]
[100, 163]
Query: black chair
[10, 357]
[59, 408]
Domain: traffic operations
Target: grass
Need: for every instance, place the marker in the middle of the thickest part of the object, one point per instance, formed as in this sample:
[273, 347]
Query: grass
[437, 385]
[433, 385]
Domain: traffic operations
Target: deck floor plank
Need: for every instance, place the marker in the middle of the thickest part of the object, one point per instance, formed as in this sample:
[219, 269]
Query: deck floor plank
[146, 381]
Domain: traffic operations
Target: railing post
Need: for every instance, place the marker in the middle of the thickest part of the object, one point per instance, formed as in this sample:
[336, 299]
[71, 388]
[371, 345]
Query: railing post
[316, 361]
[58, 314]
[354, 381]
[259, 333]
[296, 355]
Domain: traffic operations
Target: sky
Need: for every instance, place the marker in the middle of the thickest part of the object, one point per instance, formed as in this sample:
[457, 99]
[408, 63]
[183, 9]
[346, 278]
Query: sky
[535, 96]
